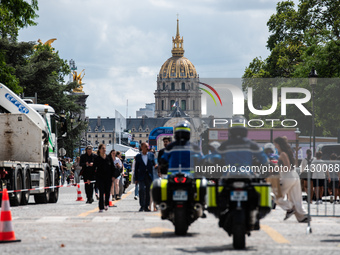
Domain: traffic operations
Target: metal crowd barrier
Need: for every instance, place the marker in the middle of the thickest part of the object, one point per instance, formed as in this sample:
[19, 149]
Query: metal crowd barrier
[329, 206]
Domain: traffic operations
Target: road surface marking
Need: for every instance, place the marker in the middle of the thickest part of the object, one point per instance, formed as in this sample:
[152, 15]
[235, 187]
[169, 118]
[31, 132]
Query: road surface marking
[88, 212]
[106, 219]
[96, 209]
[52, 219]
[276, 236]
[152, 219]
[157, 231]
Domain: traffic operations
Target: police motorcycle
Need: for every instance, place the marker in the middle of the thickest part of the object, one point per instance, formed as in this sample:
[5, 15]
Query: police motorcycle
[240, 198]
[127, 176]
[180, 197]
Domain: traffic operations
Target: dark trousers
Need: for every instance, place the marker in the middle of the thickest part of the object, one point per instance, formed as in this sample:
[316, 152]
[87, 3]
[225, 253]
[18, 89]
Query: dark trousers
[144, 192]
[89, 191]
[104, 187]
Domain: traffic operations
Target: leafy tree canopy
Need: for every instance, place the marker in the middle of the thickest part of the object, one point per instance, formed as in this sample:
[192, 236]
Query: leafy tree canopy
[301, 37]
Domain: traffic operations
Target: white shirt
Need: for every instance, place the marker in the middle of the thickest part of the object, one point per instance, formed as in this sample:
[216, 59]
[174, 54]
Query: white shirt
[318, 169]
[145, 158]
[117, 160]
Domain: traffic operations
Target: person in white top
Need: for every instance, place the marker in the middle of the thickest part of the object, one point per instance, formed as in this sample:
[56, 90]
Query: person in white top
[290, 183]
[118, 163]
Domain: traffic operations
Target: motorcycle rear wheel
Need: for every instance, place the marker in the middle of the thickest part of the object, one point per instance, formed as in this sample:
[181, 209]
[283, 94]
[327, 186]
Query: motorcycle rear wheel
[239, 236]
[180, 222]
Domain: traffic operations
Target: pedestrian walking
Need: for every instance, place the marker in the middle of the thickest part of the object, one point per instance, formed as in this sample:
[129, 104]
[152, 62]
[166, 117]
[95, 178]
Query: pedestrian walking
[88, 171]
[105, 168]
[318, 169]
[290, 182]
[68, 171]
[163, 171]
[63, 171]
[134, 178]
[333, 178]
[116, 174]
[305, 168]
[145, 163]
[155, 175]
[76, 170]
[119, 165]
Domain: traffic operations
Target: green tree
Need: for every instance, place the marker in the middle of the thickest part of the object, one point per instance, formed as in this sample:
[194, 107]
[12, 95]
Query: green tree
[16, 14]
[302, 37]
[44, 74]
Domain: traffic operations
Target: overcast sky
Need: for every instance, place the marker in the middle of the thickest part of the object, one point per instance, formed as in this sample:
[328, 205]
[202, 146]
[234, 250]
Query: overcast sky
[122, 44]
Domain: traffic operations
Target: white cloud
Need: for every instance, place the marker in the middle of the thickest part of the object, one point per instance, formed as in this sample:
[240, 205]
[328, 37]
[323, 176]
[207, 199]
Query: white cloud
[122, 44]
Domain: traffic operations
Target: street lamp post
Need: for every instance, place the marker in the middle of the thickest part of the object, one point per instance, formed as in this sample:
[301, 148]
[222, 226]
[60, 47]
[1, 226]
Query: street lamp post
[313, 80]
[297, 133]
[71, 137]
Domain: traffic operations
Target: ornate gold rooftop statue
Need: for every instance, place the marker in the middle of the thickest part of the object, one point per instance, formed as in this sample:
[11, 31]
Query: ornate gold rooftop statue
[177, 44]
[78, 78]
[49, 42]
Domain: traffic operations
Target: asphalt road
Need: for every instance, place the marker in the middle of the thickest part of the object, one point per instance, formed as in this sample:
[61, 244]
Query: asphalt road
[71, 227]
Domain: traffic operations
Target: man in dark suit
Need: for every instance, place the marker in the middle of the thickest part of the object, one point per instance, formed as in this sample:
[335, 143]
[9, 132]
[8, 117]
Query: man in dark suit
[145, 162]
[88, 172]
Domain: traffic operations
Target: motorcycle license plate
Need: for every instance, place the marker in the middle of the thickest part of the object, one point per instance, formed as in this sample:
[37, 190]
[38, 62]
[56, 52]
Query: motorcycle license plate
[238, 195]
[180, 195]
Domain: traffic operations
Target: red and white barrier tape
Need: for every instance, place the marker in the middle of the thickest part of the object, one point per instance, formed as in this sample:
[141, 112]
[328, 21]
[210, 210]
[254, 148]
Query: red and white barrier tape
[51, 187]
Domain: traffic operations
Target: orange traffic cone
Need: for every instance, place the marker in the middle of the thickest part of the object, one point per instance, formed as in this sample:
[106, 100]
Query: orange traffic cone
[79, 197]
[111, 204]
[6, 229]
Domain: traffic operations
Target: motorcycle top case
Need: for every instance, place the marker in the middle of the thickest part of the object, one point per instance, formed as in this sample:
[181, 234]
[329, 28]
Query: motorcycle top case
[159, 190]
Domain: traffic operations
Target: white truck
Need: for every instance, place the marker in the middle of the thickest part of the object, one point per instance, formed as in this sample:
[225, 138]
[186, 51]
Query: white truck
[28, 150]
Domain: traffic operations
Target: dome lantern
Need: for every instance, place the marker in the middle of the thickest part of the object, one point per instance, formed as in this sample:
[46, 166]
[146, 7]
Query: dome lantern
[177, 44]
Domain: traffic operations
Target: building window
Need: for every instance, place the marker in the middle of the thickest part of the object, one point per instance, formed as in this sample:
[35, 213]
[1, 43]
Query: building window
[162, 105]
[103, 141]
[193, 105]
[103, 135]
[110, 135]
[109, 141]
[184, 105]
[163, 85]
[133, 135]
[172, 86]
[140, 135]
[96, 135]
[89, 136]
[172, 103]
[183, 86]
[146, 135]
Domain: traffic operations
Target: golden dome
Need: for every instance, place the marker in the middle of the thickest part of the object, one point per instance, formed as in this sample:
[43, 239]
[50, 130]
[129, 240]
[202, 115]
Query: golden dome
[177, 66]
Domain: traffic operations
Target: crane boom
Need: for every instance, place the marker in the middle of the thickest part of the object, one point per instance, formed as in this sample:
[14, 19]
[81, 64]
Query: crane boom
[14, 104]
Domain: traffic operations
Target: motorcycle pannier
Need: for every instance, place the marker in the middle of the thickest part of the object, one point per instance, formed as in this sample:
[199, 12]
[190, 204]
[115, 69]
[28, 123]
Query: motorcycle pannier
[265, 203]
[201, 190]
[159, 190]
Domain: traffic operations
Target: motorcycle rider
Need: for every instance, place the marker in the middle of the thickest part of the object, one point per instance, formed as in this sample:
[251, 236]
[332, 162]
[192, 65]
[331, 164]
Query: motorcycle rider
[180, 155]
[238, 150]
[269, 149]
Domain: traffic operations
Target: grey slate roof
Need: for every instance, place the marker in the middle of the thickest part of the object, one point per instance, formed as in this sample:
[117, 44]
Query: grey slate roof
[143, 123]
